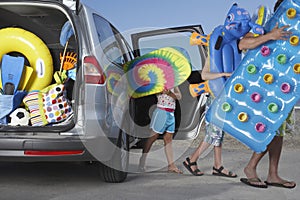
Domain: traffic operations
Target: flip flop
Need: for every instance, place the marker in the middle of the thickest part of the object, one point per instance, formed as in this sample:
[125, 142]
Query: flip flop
[250, 181]
[220, 173]
[282, 184]
[195, 172]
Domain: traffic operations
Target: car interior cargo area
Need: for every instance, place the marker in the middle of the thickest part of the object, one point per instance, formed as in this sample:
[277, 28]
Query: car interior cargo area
[38, 61]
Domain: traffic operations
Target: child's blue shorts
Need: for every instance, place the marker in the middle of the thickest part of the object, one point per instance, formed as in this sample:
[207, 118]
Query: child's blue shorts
[162, 121]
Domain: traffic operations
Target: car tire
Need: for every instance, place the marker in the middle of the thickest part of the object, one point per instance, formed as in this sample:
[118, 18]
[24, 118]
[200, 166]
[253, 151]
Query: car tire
[115, 170]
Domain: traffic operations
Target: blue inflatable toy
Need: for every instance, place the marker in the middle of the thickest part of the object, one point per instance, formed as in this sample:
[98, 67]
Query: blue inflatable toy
[223, 47]
[259, 95]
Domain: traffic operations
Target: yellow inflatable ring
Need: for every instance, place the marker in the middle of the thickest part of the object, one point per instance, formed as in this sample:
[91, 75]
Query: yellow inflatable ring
[36, 52]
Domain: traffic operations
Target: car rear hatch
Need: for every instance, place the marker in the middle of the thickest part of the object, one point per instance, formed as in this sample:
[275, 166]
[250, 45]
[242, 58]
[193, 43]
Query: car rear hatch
[35, 37]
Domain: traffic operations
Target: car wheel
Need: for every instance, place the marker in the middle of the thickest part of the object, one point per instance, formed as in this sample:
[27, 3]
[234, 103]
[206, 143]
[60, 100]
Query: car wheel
[115, 170]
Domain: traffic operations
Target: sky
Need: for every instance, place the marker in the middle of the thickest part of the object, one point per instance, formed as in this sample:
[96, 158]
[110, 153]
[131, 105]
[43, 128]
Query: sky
[126, 15]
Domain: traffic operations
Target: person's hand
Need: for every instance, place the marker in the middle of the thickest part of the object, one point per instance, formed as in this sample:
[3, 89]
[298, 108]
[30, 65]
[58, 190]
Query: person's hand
[279, 33]
[165, 91]
[226, 74]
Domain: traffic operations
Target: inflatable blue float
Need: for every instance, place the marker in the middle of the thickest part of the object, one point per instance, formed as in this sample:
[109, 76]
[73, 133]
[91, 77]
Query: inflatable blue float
[223, 49]
[259, 95]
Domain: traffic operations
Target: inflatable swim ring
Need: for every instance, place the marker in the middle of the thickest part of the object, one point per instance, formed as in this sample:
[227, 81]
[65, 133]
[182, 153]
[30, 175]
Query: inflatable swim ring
[36, 52]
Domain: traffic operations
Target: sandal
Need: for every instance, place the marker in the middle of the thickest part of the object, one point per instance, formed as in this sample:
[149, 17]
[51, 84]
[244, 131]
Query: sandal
[254, 182]
[220, 173]
[282, 184]
[195, 172]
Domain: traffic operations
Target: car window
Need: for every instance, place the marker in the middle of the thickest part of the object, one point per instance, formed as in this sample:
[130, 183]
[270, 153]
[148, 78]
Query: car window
[108, 42]
[177, 39]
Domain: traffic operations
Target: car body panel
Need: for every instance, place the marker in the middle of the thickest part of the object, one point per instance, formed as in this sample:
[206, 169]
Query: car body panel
[89, 100]
[105, 120]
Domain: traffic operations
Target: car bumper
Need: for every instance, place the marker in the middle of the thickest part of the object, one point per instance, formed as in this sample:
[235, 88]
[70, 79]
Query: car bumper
[56, 149]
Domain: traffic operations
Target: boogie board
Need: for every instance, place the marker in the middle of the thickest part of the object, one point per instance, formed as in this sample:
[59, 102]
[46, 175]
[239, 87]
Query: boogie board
[259, 95]
[156, 71]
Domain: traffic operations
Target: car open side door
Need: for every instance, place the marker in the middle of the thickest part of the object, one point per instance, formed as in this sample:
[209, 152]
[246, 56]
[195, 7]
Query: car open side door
[189, 110]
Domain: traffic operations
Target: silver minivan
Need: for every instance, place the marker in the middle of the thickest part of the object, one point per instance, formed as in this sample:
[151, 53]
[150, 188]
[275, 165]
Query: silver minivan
[103, 123]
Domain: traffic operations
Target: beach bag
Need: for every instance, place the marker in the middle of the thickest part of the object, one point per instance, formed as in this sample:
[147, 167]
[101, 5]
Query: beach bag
[48, 106]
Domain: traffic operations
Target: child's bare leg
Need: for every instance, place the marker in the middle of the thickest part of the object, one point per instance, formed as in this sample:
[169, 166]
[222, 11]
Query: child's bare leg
[147, 148]
[168, 137]
[218, 160]
[197, 153]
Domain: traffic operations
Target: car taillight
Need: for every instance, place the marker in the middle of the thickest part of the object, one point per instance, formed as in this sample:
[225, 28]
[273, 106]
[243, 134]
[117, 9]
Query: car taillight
[52, 153]
[93, 72]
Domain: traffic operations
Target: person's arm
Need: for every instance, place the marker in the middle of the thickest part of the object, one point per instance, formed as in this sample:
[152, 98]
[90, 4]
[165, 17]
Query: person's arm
[175, 95]
[251, 42]
[207, 75]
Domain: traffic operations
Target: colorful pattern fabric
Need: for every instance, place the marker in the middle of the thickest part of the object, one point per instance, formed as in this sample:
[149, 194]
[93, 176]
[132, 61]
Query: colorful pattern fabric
[161, 69]
[165, 101]
[33, 102]
[213, 134]
[48, 106]
[287, 127]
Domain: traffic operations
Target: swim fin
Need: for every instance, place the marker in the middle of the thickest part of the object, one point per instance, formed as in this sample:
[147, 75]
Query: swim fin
[27, 72]
[11, 73]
